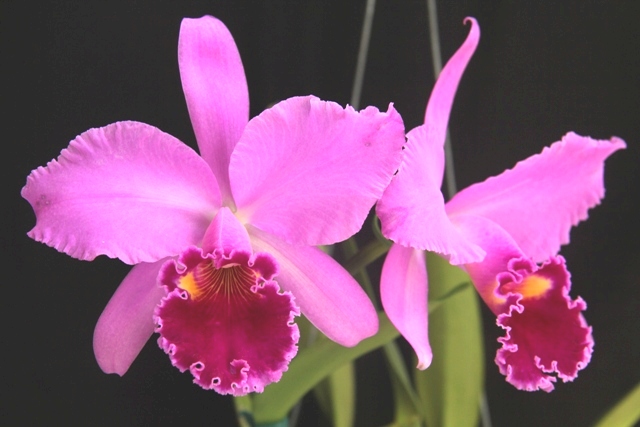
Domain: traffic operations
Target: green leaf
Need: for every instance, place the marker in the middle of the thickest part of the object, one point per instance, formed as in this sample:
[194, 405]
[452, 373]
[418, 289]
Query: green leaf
[282, 423]
[625, 413]
[408, 409]
[450, 389]
[360, 259]
[243, 405]
[337, 396]
[309, 367]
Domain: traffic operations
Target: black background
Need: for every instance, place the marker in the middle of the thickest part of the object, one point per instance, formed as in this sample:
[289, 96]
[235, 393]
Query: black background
[541, 70]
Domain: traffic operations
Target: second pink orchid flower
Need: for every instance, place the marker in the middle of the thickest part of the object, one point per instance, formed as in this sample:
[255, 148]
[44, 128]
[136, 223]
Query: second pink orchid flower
[505, 232]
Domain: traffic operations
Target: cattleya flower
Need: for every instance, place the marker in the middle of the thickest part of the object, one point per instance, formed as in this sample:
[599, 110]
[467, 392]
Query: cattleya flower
[505, 232]
[224, 233]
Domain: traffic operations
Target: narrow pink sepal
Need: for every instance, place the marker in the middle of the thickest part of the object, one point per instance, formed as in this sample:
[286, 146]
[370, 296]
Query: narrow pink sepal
[403, 291]
[126, 190]
[412, 209]
[439, 106]
[126, 324]
[215, 89]
[326, 294]
[546, 335]
[226, 233]
[233, 339]
[541, 198]
[309, 171]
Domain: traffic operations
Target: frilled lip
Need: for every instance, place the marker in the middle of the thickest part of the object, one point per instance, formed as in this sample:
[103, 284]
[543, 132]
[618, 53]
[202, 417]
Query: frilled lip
[546, 333]
[236, 338]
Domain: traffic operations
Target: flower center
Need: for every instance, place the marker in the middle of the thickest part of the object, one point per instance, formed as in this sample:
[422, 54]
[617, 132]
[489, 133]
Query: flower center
[206, 281]
[533, 286]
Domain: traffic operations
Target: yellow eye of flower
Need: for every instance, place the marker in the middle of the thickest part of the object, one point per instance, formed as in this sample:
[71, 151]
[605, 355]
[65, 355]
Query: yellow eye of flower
[533, 286]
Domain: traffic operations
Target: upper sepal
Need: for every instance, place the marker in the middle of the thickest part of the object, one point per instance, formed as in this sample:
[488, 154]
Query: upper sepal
[412, 208]
[215, 88]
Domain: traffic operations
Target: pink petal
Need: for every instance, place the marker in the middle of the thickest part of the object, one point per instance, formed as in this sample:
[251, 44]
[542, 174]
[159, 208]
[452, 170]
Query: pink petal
[126, 323]
[541, 198]
[545, 330]
[412, 210]
[327, 295]
[216, 91]
[545, 334]
[127, 191]
[439, 106]
[309, 171]
[226, 321]
[403, 290]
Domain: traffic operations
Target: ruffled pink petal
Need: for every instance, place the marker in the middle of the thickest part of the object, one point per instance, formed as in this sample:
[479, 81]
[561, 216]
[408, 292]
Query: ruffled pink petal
[546, 333]
[403, 291]
[412, 210]
[126, 324]
[226, 321]
[541, 198]
[309, 171]
[126, 190]
[326, 294]
[216, 91]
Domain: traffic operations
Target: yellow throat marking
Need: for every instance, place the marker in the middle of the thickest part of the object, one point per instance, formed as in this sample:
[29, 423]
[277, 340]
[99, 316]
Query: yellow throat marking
[533, 286]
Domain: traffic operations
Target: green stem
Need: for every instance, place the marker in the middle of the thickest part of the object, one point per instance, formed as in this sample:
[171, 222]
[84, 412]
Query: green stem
[356, 264]
[244, 410]
[359, 260]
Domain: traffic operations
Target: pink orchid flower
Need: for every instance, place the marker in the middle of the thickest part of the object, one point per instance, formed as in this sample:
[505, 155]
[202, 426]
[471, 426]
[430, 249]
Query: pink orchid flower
[216, 230]
[506, 233]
